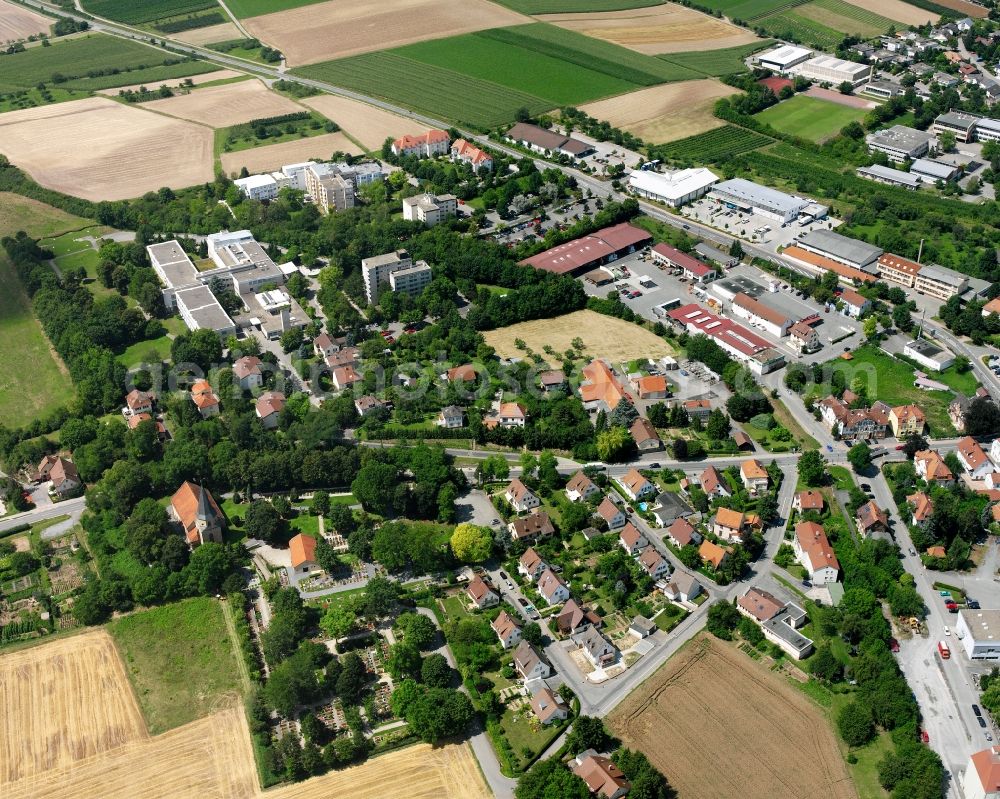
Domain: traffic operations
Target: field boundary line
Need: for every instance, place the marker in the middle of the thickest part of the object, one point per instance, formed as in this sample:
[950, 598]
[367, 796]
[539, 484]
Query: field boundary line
[227, 614]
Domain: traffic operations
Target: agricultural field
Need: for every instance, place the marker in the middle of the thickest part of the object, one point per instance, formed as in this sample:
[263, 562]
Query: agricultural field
[965, 8]
[665, 28]
[254, 8]
[207, 77]
[826, 22]
[747, 10]
[809, 117]
[76, 59]
[180, 659]
[679, 714]
[28, 395]
[664, 113]
[223, 32]
[713, 145]
[898, 10]
[603, 337]
[333, 29]
[132, 13]
[728, 61]
[574, 6]
[369, 125]
[225, 105]
[18, 22]
[272, 156]
[66, 147]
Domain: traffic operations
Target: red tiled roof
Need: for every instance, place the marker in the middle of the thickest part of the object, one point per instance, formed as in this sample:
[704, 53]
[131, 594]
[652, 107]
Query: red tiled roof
[302, 549]
[588, 250]
[683, 260]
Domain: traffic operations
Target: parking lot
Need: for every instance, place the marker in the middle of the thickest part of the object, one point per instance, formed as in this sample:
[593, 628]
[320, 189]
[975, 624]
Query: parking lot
[757, 228]
[638, 273]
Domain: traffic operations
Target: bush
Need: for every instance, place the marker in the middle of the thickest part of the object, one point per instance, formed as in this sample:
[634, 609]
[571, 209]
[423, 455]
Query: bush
[763, 421]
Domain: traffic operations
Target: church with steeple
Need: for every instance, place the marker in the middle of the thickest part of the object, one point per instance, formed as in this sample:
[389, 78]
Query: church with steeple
[194, 509]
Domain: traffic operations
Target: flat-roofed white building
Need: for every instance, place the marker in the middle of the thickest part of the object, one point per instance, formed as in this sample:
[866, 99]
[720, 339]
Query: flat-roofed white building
[830, 69]
[262, 187]
[988, 129]
[928, 354]
[200, 310]
[959, 123]
[750, 196]
[901, 143]
[930, 171]
[429, 208]
[397, 270]
[412, 279]
[672, 188]
[889, 176]
[783, 57]
[296, 174]
[979, 633]
[939, 282]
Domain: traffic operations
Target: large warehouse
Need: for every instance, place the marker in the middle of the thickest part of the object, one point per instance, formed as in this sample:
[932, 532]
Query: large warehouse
[830, 69]
[672, 188]
[979, 633]
[749, 196]
[747, 347]
[851, 252]
[901, 143]
[588, 252]
[783, 57]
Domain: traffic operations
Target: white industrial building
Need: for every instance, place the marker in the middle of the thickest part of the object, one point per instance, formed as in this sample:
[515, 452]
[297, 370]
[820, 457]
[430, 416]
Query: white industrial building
[929, 355]
[783, 57]
[959, 123]
[850, 252]
[672, 188]
[397, 270]
[752, 197]
[889, 176]
[830, 69]
[901, 143]
[979, 633]
[930, 171]
[988, 129]
[759, 315]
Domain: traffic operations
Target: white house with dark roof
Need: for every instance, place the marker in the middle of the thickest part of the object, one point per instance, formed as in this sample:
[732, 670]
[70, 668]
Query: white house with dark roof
[597, 649]
[631, 540]
[507, 629]
[552, 588]
[520, 497]
[611, 513]
[531, 527]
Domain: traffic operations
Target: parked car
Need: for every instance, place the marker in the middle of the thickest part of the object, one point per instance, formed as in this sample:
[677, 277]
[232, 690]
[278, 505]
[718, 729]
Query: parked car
[946, 630]
[971, 604]
[952, 608]
[925, 737]
[913, 552]
[503, 575]
[654, 466]
[866, 488]
[893, 645]
[807, 584]
[976, 710]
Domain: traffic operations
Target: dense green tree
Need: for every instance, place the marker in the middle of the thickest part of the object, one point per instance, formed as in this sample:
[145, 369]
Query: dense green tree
[550, 779]
[854, 722]
[435, 671]
[472, 543]
[812, 468]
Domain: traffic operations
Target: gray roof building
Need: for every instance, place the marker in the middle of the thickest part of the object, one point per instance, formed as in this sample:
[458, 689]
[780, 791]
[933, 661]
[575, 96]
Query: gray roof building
[885, 174]
[841, 248]
[934, 170]
[746, 193]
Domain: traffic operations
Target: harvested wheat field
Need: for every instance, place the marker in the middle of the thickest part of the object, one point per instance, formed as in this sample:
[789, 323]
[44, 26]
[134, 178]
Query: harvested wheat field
[369, 125]
[335, 29]
[17, 22]
[710, 697]
[206, 77]
[603, 337]
[223, 32]
[973, 10]
[664, 113]
[225, 105]
[897, 10]
[67, 147]
[273, 156]
[63, 702]
[667, 28]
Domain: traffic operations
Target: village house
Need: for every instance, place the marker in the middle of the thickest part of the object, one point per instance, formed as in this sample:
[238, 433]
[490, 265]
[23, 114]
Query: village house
[552, 380]
[528, 663]
[520, 497]
[137, 419]
[601, 389]
[958, 409]
[907, 420]
[247, 372]
[754, 476]
[548, 707]
[973, 459]
[631, 540]
[611, 513]
[682, 587]
[507, 629]
[713, 484]
[509, 414]
[714, 555]
[867, 424]
[345, 377]
[268, 408]
[195, 510]
[467, 153]
[778, 621]
[302, 549]
[451, 417]
[531, 565]
[870, 518]
[480, 594]
[597, 649]
[325, 345]
[650, 387]
[729, 525]
[923, 508]
[552, 588]
[580, 487]
[641, 627]
[61, 475]
[930, 466]
[698, 408]
[367, 404]
[531, 527]
[604, 779]
[813, 551]
[461, 374]
[645, 436]
[573, 618]
[682, 532]
[204, 399]
[804, 338]
[653, 563]
[636, 486]
[804, 501]
[937, 552]
[854, 304]
[138, 402]
[426, 145]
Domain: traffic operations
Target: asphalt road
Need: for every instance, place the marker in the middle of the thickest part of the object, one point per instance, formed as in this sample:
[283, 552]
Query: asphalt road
[73, 507]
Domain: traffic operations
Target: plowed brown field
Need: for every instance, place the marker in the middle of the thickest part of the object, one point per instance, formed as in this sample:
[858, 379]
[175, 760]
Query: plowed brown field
[770, 740]
[20, 23]
[366, 123]
[225, 105]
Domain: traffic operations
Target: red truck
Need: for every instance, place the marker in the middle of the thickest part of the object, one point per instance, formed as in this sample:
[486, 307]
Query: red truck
[944, 651]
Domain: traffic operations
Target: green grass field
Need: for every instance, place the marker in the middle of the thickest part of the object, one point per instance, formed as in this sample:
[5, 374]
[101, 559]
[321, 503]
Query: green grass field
[27, 394]
[75, 64]
[153, 351]
[791, 25]
[748, 10]
[134, 13]
[254, 8]
[180, 659]
[845, 17]
[809, 117]
[574, 6]
[727, 61]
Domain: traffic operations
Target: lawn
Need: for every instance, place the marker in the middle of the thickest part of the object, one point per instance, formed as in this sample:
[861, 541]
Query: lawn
[180, 659]
[454, 607]
[526, 734]
[150, 352]
[891, 380]
[35, 218]
[809, 117]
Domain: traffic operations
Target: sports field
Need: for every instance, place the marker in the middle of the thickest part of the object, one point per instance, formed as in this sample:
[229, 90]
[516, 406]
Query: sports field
[809, 117]
[225, 105]
[665, 28]
[369, 125]
[272, 156]
[334, 29]
[711, 697]
[664, 113]
[603, 337]
[18, 22]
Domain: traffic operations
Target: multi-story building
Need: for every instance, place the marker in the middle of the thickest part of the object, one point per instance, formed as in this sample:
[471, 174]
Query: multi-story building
[855, 305]
[959, 123]
[829, 69]
[897, 269]
[426, 145]
[430, 209]
[940, 282]
[861, 423]
[901, 143]
[813, 551]
[907, 420]
[398, 270]
[329, 189]
[804, 337]
[778, 621]
[749, 196]
[467, 153]
[760, 315]
[413, 279]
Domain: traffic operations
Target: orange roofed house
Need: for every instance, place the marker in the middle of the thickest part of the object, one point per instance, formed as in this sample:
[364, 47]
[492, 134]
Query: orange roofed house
[601, 386]
[981, 779]
[713, 554]
[302, 548]
[426, 145]
[467, 153]
[195, 510]
[204, 399]
[603, 778]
